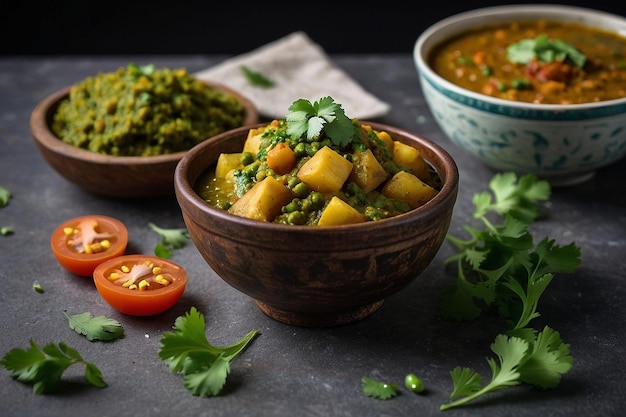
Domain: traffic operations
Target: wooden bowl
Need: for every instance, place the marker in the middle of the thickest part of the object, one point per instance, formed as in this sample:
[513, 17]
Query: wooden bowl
[107, 175]
[308, 275]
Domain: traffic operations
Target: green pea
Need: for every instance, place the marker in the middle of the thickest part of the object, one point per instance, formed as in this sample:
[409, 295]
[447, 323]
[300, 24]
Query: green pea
[246, 158]
[299, 150]
[317, 198]
[413, 383]
[291, 207]
[296, 217]
[260, 175]
[300, 189]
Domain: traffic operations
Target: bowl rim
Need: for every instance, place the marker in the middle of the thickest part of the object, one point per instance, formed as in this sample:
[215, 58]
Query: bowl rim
[184, 190]
[44, 110]
[460, 22]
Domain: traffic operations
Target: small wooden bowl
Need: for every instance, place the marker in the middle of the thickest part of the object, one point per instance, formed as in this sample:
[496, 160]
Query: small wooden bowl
[107, 175]
[308, 275]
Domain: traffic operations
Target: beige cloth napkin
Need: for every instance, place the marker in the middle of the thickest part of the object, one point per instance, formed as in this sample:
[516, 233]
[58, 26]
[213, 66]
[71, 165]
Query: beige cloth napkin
[300, 69]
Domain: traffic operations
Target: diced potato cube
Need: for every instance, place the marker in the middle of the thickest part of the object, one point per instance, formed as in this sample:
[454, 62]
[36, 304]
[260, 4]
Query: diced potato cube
[263, 201]
[226, 162]
[408, 188]
[385, 137]
[326, 171]
[409, 156]
[253, 141]
[367, 172]
[338, 212]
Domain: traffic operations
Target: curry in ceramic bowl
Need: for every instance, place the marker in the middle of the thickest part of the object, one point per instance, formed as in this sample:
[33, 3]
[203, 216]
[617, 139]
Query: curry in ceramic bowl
[535, 89]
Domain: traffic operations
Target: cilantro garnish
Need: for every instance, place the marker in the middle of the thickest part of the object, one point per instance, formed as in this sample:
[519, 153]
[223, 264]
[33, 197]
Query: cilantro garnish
[95, 328]
[5, 196]
[256, 78]
[544, 49]
[43, 368]
[170, 239]
[37, 287]
[539, 362]
[321, 116]
[187, 351]
[500, 264]
[377, 389]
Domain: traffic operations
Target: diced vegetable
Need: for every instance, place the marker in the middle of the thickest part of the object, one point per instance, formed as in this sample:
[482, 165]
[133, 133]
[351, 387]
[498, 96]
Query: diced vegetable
[226, 162]
[407, 187]
[263, 201]
[326, 171]
[339, 212]
[281, 159]
[253, 141]
[367, 172]
[404, 154]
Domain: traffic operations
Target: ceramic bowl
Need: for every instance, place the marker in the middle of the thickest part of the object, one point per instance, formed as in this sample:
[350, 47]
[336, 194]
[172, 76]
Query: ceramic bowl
[107, 175]
[565, 144]
[309, 275]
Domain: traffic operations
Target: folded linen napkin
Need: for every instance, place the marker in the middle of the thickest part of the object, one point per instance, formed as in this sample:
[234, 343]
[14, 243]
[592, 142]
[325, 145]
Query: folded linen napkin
[299, 68]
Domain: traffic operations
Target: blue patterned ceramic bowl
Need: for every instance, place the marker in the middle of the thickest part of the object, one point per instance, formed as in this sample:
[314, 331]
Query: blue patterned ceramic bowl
[565, 144]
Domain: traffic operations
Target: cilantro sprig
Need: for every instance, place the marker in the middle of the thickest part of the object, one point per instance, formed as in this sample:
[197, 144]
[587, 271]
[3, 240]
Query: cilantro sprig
[323, 116]
[5, 196]
[170, 239]
[539, 362]
[44, 367]
[256, 78]
[187, 351]
[377, 389]
[544, 49]
[95, 328]
[499, 265]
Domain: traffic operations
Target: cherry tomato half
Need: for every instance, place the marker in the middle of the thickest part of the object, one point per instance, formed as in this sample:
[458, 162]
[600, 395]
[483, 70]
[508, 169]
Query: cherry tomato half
[140, 285]
[82, 243]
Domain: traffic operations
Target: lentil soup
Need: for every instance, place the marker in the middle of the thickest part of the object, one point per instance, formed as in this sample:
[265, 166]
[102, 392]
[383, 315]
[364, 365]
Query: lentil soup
[547, 62]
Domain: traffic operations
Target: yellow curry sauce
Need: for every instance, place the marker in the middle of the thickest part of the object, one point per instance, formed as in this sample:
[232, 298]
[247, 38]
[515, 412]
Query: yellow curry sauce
[479, 60]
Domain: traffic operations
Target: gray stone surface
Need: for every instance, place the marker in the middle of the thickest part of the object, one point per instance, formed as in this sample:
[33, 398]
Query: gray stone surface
[293, 371]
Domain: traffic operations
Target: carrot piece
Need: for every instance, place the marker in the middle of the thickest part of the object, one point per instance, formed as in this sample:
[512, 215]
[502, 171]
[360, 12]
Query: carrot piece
[281, 159]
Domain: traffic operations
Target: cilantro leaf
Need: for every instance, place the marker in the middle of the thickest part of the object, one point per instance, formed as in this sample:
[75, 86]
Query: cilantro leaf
[37, 287]
[44, 367]
[187, 351]
[321, 117]
[5, 196]
[377, 389]
[500, 263]
[95, 328]
[170, 239]
[256, 78]
[539, 362]
[544, 49]
[547, 361]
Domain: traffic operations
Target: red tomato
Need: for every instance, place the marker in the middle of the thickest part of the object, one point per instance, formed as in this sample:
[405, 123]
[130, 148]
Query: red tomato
[140, 285]
[82, 243]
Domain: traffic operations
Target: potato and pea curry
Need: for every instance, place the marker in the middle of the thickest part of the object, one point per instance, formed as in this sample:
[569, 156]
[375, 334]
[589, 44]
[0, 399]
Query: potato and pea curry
[318, 167]
[548, 62]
